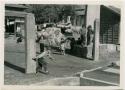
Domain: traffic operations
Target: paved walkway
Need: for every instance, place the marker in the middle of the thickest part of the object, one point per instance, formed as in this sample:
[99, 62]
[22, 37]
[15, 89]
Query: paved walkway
[63, 66]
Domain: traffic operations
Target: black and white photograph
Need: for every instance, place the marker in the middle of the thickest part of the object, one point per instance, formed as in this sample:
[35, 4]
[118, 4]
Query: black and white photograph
[62, 45]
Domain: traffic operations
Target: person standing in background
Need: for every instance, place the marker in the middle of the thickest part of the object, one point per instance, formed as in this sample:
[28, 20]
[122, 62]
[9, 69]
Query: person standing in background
[89, 35]
[83, 41]
[90, 39]
[83, 35]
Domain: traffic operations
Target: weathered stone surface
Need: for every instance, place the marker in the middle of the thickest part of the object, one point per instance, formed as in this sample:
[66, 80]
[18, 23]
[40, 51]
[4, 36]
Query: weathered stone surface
[30, 43]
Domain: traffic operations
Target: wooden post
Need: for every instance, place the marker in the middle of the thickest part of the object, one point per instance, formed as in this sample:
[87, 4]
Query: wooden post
[95, 50]
[30, 43]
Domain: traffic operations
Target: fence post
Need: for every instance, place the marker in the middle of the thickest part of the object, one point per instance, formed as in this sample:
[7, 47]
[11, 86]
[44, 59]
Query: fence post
[95, 51]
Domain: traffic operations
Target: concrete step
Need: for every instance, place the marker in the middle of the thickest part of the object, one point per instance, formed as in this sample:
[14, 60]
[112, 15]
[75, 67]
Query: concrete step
[108, 75]
[112, 70]
[65, 81]
[85, 81]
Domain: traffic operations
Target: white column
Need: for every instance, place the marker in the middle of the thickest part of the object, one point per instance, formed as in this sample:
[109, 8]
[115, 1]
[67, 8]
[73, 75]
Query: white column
[93, 12]
[96, 39]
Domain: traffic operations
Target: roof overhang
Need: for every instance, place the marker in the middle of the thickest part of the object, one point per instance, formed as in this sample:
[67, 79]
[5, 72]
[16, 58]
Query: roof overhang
[113, 9]
[16, 6]
[15, 13]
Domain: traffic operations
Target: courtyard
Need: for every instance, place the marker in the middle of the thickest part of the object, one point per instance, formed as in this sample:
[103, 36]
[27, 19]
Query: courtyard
[61, 67]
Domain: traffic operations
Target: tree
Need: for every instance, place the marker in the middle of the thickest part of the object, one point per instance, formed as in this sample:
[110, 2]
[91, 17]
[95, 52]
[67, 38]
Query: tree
[50, 13]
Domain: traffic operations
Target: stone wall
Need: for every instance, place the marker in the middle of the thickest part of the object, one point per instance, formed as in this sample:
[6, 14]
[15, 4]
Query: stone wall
[87, 51]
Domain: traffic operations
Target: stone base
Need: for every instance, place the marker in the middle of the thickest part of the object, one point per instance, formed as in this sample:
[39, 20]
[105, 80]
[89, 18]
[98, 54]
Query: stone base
[109, 47]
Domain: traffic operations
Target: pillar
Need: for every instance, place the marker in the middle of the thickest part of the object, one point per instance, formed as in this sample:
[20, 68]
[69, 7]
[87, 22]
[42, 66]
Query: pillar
[93, 12]
[96, 40]
[69, 19]
[30, 43]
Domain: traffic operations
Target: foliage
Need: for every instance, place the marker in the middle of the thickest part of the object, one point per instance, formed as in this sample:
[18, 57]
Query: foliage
[50, 13]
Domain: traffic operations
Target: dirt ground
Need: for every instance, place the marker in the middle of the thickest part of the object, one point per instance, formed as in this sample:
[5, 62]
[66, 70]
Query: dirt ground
[63, 66]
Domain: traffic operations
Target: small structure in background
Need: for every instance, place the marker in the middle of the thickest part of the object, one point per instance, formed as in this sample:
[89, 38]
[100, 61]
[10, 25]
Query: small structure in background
[19, 22]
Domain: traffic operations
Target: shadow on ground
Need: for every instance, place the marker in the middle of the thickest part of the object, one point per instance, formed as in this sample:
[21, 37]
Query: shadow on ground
[8, 64]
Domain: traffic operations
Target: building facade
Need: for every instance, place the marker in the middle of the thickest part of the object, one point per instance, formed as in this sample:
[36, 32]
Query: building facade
[109, 25]
[109, 17]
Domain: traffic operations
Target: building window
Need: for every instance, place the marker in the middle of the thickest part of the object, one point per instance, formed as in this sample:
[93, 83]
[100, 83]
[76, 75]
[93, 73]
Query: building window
[80, 20]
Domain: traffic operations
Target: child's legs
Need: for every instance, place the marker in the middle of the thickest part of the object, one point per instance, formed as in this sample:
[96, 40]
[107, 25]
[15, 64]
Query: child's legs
[45, 67]
[63, 49]
[39, 67]
[44, 64]
[40, 60]
[64, 52]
